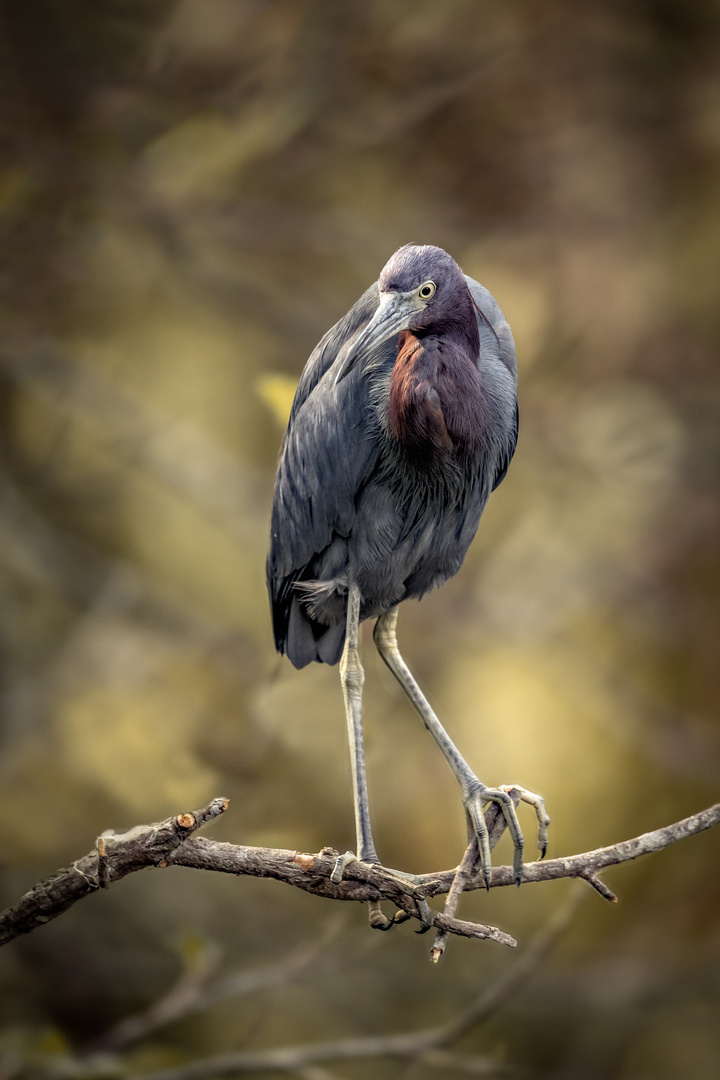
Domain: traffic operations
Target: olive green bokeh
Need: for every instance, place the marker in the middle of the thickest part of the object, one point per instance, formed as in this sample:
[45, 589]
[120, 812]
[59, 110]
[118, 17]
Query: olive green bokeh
[193, 191]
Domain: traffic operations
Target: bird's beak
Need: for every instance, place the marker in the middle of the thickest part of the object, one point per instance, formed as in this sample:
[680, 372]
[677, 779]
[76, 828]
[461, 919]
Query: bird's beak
[394, 314]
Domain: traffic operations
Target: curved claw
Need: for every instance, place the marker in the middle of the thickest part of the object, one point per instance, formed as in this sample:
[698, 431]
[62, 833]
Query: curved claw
[474, 804]
[377, 919]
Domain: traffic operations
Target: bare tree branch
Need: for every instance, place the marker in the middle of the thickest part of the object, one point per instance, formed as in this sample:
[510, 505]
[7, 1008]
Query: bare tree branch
[171, 843]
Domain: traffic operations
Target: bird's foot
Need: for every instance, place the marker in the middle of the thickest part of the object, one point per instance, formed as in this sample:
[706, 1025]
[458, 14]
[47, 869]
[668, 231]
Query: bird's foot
[474, 801]
[378, 920]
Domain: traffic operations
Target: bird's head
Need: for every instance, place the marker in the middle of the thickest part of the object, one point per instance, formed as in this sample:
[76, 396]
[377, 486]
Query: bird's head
[420, 288]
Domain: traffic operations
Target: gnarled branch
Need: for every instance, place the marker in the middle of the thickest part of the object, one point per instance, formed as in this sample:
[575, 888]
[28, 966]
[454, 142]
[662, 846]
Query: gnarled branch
[172, 843]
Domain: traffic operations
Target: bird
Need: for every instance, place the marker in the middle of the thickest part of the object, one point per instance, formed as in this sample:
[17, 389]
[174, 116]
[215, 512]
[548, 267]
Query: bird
[404, 420]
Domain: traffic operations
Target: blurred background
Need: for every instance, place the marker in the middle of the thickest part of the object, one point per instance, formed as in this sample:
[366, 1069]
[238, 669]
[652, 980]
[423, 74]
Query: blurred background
[192, 192]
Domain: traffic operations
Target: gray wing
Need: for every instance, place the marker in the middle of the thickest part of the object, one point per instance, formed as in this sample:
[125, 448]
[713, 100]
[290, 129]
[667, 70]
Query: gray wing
[496, 338]
[325, 352]
[498, 365]
[328, 452]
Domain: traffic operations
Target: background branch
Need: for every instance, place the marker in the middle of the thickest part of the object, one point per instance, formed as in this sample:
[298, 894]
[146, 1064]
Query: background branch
[198, 989]
[429, 1047]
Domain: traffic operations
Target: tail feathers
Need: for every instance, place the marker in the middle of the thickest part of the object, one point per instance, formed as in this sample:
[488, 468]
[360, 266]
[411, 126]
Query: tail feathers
[331, 644]
[304, 640]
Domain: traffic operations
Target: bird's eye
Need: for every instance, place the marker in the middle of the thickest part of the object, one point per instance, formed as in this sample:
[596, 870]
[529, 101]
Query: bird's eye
[427, 290]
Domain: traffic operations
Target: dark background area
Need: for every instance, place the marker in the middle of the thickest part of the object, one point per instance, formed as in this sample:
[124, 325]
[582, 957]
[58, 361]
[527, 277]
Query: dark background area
[192, 192]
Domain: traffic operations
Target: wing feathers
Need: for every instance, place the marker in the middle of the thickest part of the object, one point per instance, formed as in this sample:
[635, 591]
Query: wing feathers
[326, 457]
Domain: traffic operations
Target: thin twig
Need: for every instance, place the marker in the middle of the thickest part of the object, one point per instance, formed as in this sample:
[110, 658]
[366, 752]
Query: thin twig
[598, 885]
[462, 875]
[495, 823]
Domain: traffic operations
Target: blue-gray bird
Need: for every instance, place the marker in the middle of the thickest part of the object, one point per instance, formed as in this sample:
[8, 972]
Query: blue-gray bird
[404, 420]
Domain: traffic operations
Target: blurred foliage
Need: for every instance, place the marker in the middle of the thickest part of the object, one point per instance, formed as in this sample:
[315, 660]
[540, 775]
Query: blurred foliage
[192, 192]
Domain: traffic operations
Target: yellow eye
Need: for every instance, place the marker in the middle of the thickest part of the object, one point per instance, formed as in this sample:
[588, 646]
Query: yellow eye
[427, 290]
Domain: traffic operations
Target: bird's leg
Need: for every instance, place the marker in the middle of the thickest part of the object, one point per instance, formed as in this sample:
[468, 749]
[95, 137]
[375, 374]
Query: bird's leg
[352, 678]
[474, 794]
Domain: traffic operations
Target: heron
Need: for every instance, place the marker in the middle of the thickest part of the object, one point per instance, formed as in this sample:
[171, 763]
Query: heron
[404, 421]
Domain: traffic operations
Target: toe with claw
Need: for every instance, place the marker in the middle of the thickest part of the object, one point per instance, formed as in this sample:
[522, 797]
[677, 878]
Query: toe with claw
[379, 921]
[474, 802]
[475, 799]
[538, 804]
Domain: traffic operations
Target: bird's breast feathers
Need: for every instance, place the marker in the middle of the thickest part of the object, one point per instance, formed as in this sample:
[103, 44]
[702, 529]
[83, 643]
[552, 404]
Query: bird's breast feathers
[435, 401]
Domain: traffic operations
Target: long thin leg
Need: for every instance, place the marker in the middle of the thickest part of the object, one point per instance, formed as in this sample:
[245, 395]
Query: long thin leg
[474, 793]
[352, 678]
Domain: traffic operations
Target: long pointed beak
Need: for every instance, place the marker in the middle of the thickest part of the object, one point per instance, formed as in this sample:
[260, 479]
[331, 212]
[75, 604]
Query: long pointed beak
[393, 315]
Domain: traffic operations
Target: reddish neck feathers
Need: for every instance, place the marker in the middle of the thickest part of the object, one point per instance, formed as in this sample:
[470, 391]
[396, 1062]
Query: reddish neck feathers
[415, 416]
[435, 397]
